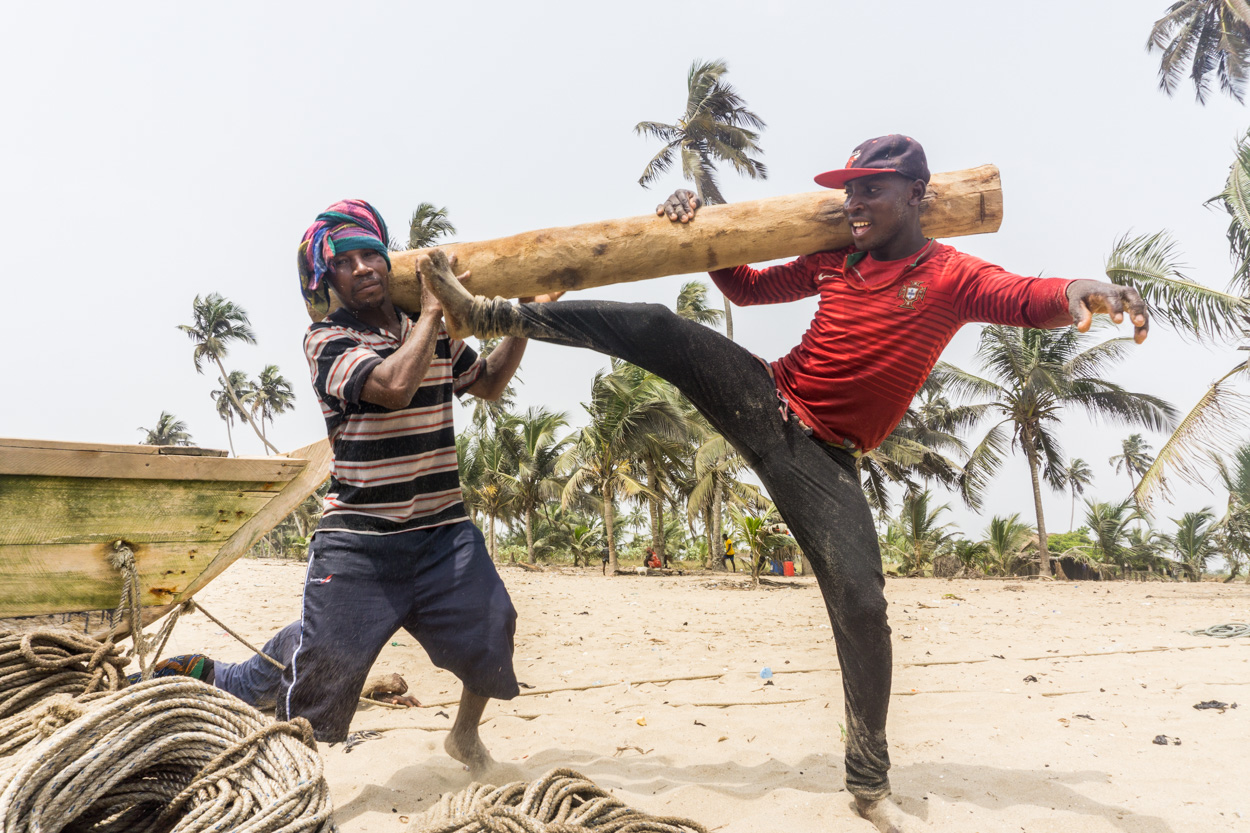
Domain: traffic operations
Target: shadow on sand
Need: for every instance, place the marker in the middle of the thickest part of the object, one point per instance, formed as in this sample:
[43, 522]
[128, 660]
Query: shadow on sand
[415, 788]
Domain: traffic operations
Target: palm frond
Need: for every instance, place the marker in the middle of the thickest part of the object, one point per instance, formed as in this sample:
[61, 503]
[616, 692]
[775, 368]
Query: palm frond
[1213, 423]
[1149, 263]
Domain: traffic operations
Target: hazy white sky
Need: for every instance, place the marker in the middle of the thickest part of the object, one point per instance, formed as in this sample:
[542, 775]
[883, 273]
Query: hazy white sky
[154, 151]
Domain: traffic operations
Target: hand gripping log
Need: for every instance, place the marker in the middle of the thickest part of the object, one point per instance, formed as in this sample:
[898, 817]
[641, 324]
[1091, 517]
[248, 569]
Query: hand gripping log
[638, 248]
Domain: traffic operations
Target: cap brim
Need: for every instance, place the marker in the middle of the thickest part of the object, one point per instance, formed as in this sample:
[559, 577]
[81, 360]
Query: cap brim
[838, 178]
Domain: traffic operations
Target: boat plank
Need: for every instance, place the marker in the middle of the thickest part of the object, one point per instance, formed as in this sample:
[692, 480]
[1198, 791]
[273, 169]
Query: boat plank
[62, 578]
[122, 462]
[52, 510]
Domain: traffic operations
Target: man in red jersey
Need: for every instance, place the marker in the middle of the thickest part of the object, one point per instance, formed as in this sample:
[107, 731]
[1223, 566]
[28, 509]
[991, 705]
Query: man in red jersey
[888, 306]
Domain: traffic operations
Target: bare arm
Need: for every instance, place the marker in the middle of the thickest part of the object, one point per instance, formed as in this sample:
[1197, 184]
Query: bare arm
[394, 382]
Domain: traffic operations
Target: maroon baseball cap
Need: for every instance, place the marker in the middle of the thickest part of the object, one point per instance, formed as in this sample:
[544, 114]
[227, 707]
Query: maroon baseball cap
[896, 154]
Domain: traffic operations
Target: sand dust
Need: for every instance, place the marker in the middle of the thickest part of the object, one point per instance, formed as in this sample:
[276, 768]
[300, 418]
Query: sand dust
[975, 747]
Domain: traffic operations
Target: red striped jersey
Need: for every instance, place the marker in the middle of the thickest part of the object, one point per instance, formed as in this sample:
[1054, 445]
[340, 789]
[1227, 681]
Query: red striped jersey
[880, 327]
[393, 471]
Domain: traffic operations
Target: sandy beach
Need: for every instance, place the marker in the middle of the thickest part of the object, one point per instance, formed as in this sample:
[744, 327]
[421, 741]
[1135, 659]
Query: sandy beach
[653, 688]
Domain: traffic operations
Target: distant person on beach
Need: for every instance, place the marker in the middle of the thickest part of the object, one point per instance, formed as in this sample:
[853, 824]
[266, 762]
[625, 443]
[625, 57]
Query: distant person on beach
[888, 305]
[394, 547]
[728, 557]
[652, 561]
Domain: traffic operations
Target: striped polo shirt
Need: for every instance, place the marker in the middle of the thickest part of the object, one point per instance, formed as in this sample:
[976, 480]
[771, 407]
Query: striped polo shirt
[393, 471]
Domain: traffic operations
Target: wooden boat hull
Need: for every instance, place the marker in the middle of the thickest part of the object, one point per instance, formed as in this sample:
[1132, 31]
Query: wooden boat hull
[186, 515]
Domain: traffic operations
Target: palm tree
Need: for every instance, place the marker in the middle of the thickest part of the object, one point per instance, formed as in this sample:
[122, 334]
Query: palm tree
[217, 323]
[1036, 374]
[757, 531]
[169, 430]
[923, 447]
[1007, 540]
[925, 535]
[716, 127]
[1134, 458]
[1194, 542]
[225, 407]
[537, 454]
[1210, 36]
[1235, 525]
[269, 396]
[715, 484]
[1109, 527]
[428, 225]
[1076, 476]
[692, 305]
[1151, 264]
[623, 408]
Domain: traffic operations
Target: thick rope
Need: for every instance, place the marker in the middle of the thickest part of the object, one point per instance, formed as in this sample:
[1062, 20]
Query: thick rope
[562, 801]
[40, 664]
[172, 754]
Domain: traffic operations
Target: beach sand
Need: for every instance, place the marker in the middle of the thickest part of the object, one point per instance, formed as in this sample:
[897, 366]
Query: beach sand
[975, 747]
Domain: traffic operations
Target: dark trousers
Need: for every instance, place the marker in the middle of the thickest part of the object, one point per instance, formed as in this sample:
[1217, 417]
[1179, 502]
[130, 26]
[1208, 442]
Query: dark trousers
[257, 681]
[816, 489]
[438, 584]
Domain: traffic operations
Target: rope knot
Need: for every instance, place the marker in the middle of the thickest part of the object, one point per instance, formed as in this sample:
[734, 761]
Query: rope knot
[55, 712]
[122, 558]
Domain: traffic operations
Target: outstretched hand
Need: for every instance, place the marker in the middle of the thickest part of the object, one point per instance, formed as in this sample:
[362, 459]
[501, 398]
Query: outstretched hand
[1089, 298]
[681, 206]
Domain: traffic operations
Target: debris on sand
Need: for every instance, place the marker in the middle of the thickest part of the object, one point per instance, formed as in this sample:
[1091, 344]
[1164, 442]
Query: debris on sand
[1214, 704]
[1164, 740]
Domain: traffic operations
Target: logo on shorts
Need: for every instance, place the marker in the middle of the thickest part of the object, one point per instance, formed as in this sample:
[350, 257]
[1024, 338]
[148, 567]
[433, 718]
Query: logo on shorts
[911, 294]
[325, 580]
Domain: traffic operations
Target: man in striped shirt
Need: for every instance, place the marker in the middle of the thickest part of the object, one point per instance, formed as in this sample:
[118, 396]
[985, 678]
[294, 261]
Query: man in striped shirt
[888, 305]
[394, 547]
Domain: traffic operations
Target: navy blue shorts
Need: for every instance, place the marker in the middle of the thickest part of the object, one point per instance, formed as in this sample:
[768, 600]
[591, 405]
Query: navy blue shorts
[438, 584]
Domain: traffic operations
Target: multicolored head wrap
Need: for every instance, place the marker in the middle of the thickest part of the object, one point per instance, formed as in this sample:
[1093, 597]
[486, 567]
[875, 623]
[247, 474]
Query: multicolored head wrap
[344, 226]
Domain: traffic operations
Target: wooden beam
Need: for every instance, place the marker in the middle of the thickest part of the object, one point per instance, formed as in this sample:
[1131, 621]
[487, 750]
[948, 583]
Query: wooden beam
[48, 458]
[638, 248]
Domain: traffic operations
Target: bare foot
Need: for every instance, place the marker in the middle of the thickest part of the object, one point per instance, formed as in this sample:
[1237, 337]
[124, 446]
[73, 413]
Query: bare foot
[886, 816]
[438, 277]
[469, 750]
[388, 688]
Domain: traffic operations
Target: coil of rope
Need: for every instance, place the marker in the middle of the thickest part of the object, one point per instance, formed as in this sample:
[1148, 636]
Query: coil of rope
[170, 754]
[562, 801]
[1231, 630]
[39, 664]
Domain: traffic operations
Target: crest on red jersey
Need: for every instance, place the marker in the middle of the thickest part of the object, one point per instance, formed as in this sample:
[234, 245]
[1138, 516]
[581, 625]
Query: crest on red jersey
[911, 294]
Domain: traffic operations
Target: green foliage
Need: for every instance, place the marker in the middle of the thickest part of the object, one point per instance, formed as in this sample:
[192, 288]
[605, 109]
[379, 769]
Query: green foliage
[1060, 542]
[1034, 377]
[169, 430]
[1208, 36]
[428, 226]
[715, 128]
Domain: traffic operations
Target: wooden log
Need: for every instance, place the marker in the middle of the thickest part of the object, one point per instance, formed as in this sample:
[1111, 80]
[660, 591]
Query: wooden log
[639, 248]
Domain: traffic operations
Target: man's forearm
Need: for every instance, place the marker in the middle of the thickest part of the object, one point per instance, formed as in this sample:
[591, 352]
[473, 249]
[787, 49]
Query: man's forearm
[394, 382]
[501, 366]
